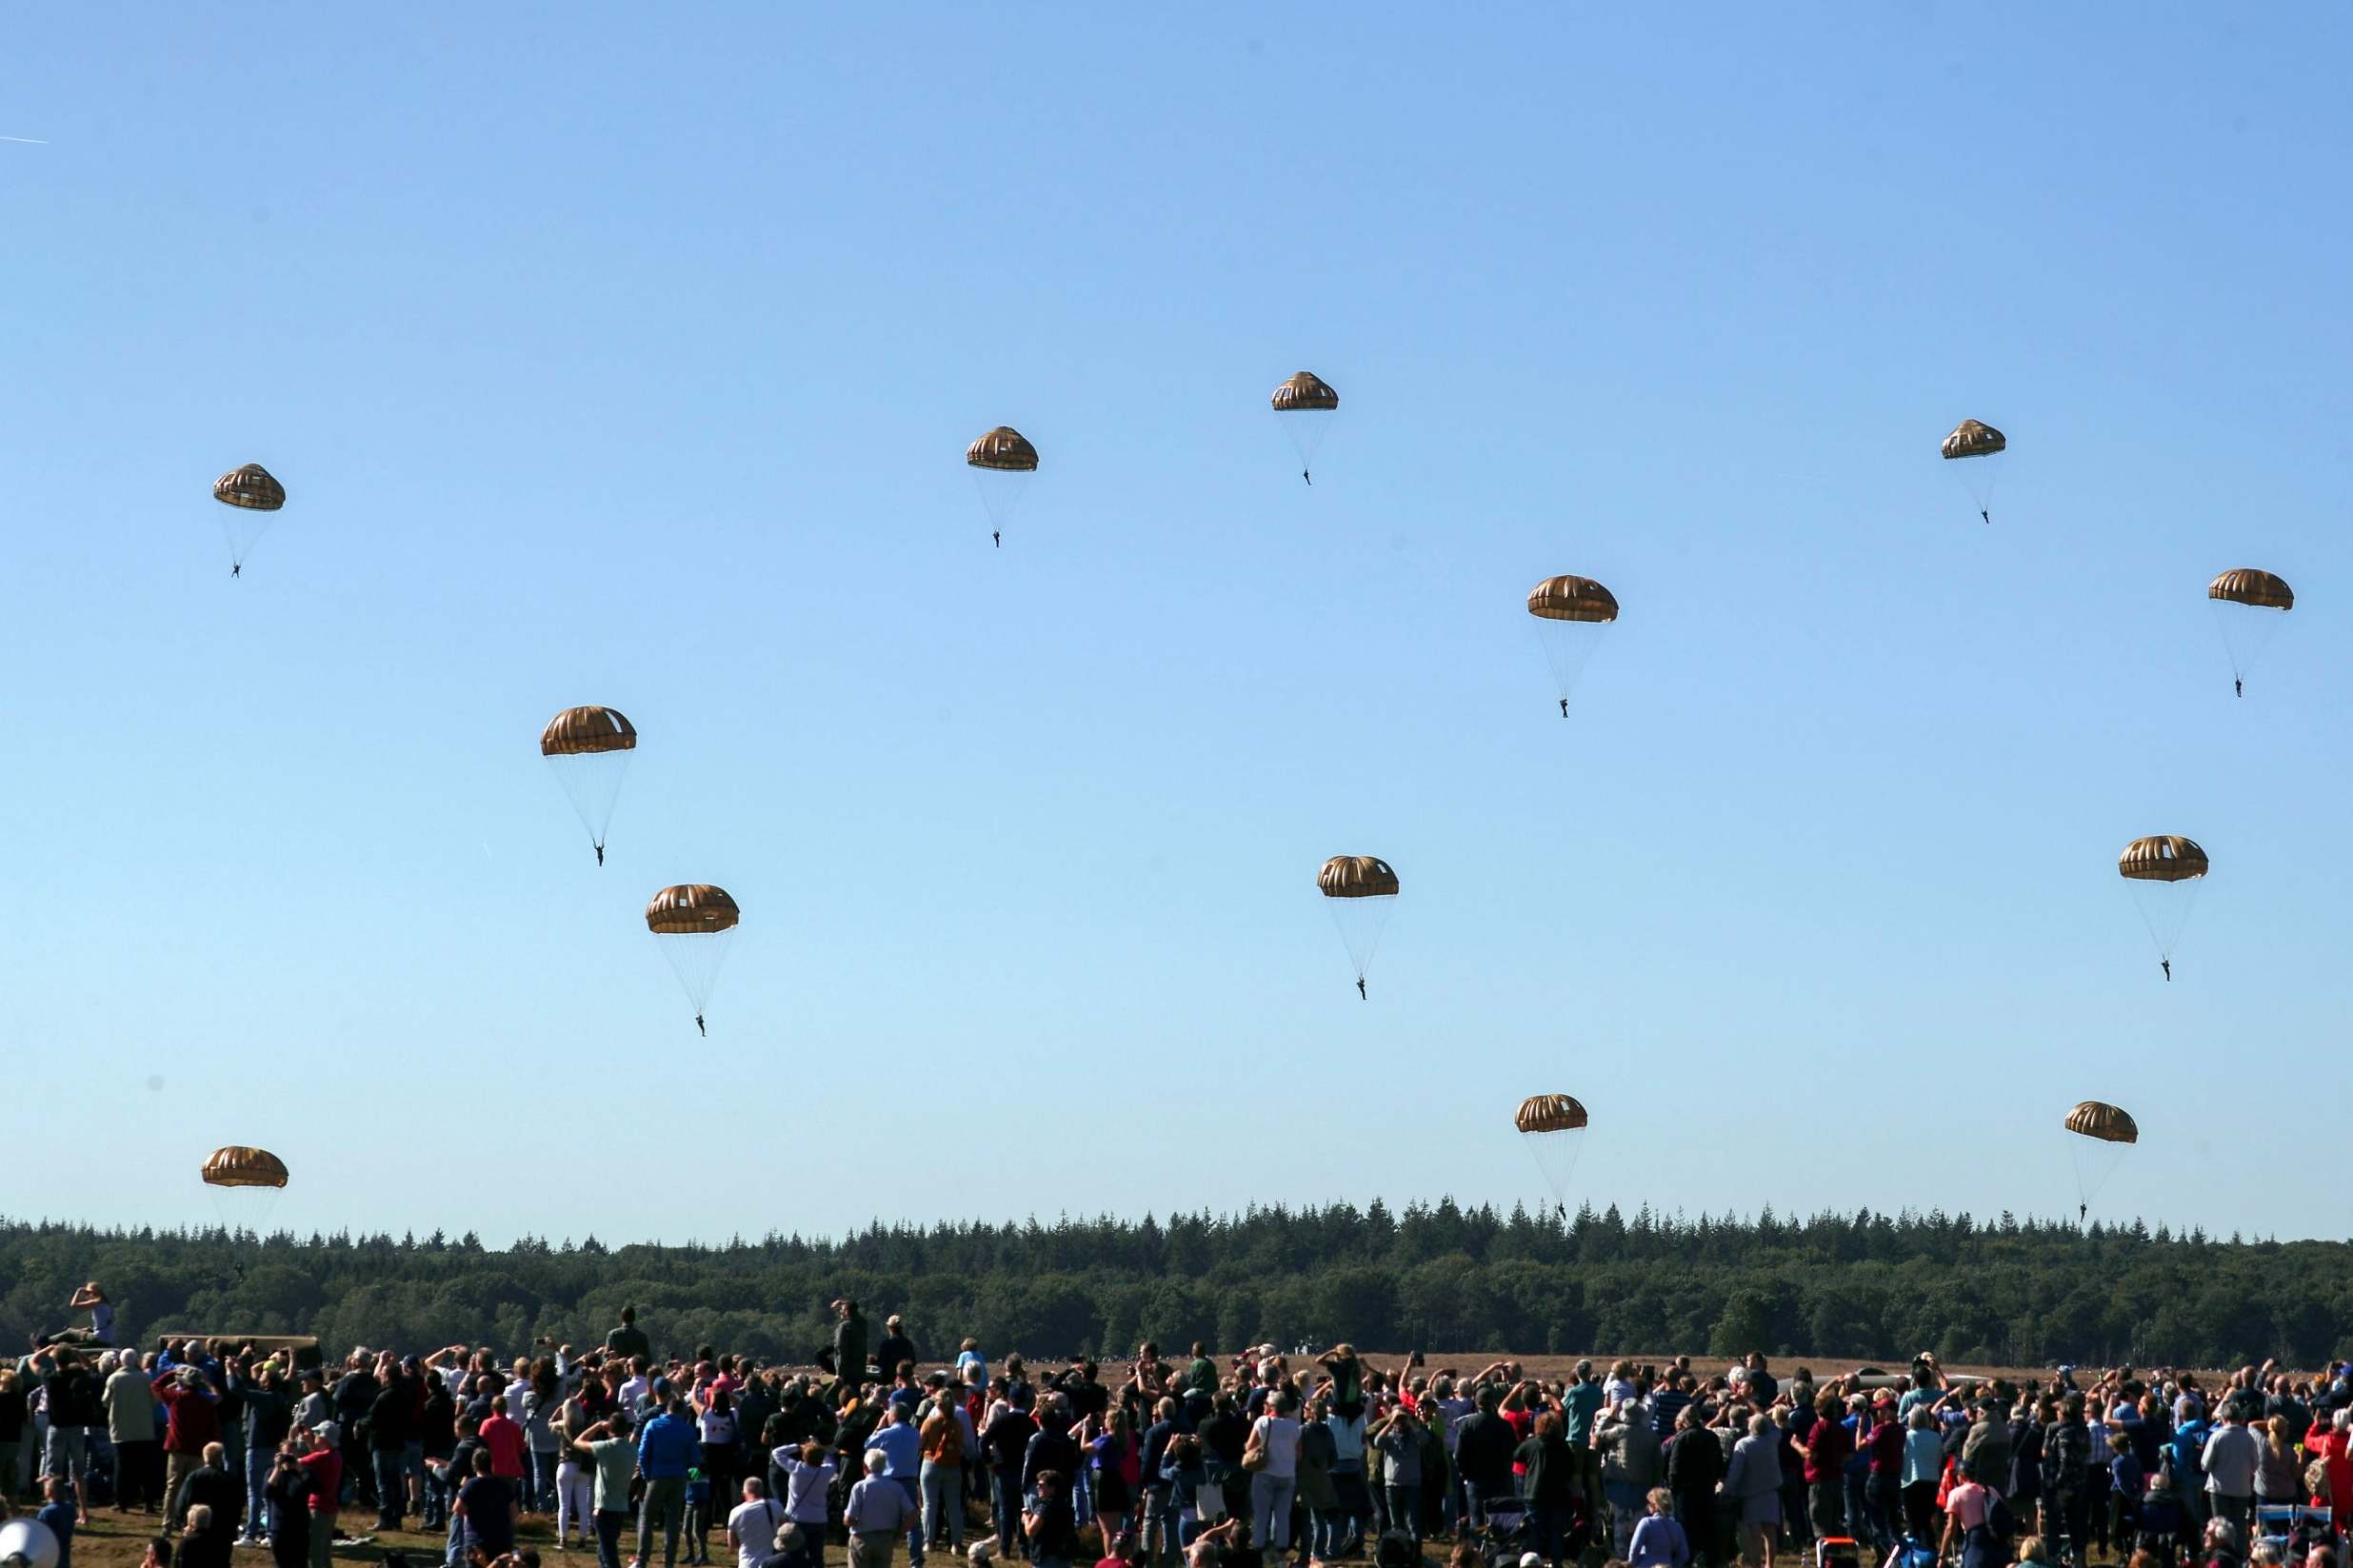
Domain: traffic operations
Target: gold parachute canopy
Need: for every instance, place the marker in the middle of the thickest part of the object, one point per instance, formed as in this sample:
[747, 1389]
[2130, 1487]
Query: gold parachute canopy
[1974, 438]
[251, 486]
[2162, 856]
[691, 908]
[1004, 449]
[240, 1166]
[1357, 877]
[2106, 1123]
[2246, 585]
[1571, 599]
[1542, 1113]
[1305, 393]
[583, 731]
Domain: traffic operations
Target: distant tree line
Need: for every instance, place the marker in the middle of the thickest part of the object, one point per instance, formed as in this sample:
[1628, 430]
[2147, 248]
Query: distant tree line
[1865, 1286]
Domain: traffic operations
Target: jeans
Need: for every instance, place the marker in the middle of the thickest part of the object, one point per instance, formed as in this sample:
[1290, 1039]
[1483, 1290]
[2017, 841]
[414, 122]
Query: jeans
[323, 1540]
[943, 1489]
[1324, 1527]
[609, 1524]
[438, 1496]
[1270, 1510]
[392, 1487]
[1005, 1505]
[1626, 1511]
[1160, 1543]
[257, 1462]
[540, 1498]
[1885, 1511]
[913, 1487]
[1406, 1510]
[1484, 1497]
[665, 1506]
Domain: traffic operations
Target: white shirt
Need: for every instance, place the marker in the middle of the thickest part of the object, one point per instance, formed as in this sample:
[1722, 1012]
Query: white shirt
[805, 1486]
[1280, 1433]
[753, 1527]
[633, 1393]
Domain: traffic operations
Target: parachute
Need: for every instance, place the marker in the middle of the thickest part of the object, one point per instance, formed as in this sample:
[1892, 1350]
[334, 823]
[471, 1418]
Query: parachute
[2102, 1131]
[1359, 890]
[252, 493]
[694, 923]
[2244, 600]
[244, 1183]
[1549, 1124]
[588, 749]
[1977, 439]
[1307, 394]
[1002, 461]
[1569, 613]
[2164, 873]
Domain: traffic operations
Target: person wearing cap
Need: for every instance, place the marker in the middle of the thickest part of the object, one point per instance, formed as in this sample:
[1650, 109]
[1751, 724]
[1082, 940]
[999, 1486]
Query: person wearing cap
[896, 1351]
[322, 1466]
[192, 1422]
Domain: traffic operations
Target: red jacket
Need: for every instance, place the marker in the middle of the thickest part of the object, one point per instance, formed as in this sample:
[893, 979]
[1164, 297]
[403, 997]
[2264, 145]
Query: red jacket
[194, 1420]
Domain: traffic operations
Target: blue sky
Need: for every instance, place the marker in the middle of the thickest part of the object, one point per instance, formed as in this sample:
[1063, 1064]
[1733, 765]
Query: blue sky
[626, 354]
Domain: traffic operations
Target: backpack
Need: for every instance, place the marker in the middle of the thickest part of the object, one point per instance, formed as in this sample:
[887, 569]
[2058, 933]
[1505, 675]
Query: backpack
[1395, 1549]
[2000, 1522]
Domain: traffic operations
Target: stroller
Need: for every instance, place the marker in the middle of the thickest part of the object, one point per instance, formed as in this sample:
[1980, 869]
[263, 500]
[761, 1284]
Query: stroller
[1508, 1534]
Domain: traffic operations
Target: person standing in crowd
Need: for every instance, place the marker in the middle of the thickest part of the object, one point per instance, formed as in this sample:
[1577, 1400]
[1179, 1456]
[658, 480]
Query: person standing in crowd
[895, 1350]
[878, 1513]
[1005, 1440]
[213, 1488]
[489, 1506]
[1275, 1436]
[1397, 1439]
[628, 1339]
[809, 1473]
[849, 1343]
[1752, 1480]
[190, 1423]
[611, 1449]
[754, 1524]
[322, 1465]
[2233, 1456]
[1695, 1468]
[130, 1406]
[666, 1449]
[286, 1489]
[1829, 1443]
[60, 1512]
[1658, 1541]
[941, 1443]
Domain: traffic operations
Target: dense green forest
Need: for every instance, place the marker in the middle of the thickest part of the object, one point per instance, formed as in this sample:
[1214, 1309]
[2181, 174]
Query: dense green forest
[1876, 1286]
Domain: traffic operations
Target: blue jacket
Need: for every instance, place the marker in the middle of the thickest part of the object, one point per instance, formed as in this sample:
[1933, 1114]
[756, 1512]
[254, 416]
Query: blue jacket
[668, 1448]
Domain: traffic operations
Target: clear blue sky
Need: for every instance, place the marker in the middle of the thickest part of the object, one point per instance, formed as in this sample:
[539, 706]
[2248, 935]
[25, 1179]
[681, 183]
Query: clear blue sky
[626, 354]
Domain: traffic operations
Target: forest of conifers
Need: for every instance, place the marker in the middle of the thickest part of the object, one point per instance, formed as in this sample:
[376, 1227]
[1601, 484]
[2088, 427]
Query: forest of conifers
[1839, 1287]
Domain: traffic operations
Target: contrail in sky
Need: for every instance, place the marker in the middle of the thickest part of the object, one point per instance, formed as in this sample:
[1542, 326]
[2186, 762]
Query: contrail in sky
[29, 141]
